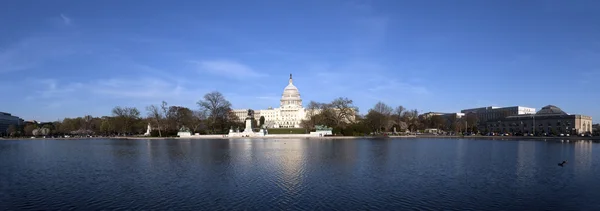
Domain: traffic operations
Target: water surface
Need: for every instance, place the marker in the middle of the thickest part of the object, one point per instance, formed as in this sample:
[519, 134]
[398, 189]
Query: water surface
[288, 174]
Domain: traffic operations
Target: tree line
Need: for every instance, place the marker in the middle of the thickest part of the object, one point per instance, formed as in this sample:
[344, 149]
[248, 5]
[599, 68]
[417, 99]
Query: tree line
[214, 115]
[381, 118]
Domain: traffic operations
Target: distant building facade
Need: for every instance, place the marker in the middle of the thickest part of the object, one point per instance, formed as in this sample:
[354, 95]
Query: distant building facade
[449, 118]
[550, 120]
[6, 120]
[491, 113]
[430, 114]
[453, 116]
[289, 114]
[444, 115]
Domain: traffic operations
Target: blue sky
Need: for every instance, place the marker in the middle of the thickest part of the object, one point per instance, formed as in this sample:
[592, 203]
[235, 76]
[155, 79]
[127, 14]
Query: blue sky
[71, 58]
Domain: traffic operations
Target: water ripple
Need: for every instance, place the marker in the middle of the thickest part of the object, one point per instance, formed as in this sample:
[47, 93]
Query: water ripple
[427, 174]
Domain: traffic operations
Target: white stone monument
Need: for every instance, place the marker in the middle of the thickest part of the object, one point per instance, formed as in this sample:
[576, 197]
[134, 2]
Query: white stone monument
[247, 132]
[184, 132]
[148, 130]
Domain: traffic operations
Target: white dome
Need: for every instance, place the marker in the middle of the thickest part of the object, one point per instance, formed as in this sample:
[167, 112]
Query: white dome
[291, 95]
[290, 92]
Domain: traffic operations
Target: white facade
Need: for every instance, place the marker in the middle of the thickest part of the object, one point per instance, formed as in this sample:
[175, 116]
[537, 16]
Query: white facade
[486, 114]
[289, 114]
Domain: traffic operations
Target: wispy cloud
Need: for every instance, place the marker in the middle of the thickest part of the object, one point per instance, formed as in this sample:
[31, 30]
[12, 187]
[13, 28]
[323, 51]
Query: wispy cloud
[143, 89]
[364, 82]
[12, 58]
[8, 62]
[65, 19]
[50, 93]
[398, 87]
[227, 68]
[32, 52]
[137, 91]
[50, 88]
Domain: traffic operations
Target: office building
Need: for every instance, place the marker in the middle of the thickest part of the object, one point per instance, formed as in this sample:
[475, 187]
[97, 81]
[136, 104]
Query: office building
[550, 120]
[6, 120]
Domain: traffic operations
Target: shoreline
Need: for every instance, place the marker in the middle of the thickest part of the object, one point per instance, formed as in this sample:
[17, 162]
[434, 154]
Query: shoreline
[220, 137]
[214, 137]
[268, 137]
[595, 138]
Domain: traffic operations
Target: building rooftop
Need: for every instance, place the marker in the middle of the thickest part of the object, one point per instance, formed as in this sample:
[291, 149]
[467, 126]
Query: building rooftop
[551, 110]
[290, 92]
[490, 108]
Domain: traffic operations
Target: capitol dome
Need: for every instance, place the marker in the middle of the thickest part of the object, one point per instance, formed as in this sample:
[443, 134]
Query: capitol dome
[291, 95]
[551, 110]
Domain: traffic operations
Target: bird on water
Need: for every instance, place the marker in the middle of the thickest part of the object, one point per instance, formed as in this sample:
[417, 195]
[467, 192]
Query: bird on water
[563, 163]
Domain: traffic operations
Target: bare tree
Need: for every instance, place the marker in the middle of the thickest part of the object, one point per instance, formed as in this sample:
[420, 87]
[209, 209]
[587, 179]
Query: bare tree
[155, 114]
[180, 116]
[344, 111]
[11, 130]
[29, 129]
[412, 119]
[379, 116]
[106, 126]
[126, 116]
[198, 120]
[217, 108]
[165, 114]
[437, 121]
[375, 120]
[87, 122]
[382, 108]
[472, 121]
[399, 111]
[312, 109]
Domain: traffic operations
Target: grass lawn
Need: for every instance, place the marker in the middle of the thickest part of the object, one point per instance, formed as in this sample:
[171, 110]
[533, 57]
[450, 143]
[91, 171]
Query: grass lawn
[286, 131]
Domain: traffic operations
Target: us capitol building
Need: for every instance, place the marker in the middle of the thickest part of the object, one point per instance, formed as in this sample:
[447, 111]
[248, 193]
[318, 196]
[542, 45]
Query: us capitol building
[288, 115]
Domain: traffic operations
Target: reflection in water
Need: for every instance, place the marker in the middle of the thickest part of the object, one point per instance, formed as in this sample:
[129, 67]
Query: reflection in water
[460, 157]
[382, 153]
[583, 158]
[290, 162]
[244, 149]
[253, 174]
[217, 152]
[343, 153]
[526, 163]
[176, 149]
[125, 152]
[151, 148]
